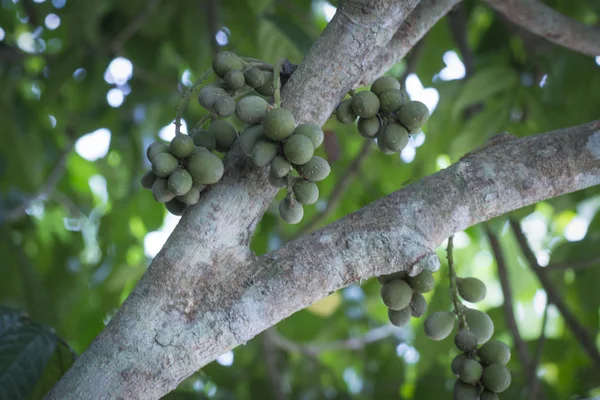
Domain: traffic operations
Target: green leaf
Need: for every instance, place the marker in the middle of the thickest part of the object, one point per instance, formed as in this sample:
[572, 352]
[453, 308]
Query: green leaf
[56, 367]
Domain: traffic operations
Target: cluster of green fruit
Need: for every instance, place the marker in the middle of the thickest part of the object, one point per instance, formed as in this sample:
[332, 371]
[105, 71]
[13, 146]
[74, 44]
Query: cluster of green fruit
[384, 114]
[403, 295]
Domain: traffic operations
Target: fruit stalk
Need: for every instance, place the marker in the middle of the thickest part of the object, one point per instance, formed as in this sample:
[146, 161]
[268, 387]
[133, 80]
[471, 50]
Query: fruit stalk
[186, 97]
[462, 323]
[277, 82]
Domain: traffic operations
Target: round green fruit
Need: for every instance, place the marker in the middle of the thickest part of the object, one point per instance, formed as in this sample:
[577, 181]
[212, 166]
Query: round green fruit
[494, 352]
[365, 104]
[422, 283]
[399, 317]
[464, 391]
[254, 77]
[249, 137]
[204, 138]
[298, 149]
[224, 133]
[369, 127]
[225, 106]
[311, 131]
[280, 167]
[457, 362]
[148, 180]
[191, 197]
[205, 168]
[471, 289]
[164, 164]
[439, 325]
[234, 79]
[487, 395]
[390, 277]
[176, 207]
[344, 112]
[264, 152]
[209, 94]
[418, 305]
[251, 109]
[291, 211]
[496, 378]
[413, 115]
[181, 146]
[383, 147]
[394, 136]
[470, 371]
[465, 340]
[315, 170]
[391, 100]
[156, 148]
[179, 182]
[480, 324]
[160, 191]
[305, 192]
[276, 181]
[226, 61]
[266, 89]
[396, 294]
[279, 124]
[384, 83]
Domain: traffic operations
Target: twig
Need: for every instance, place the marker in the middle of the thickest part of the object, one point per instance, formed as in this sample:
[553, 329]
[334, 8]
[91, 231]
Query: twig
[134, 26]
[211, 25]
[270, 356]
[186, 97]
[458, 306]
[412, 60]
[534, 383]
[458, 27]
[553, 295]
[580, 264]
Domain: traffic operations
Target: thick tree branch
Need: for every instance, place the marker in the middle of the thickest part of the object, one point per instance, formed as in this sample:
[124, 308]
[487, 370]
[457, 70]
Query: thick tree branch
[542, 20]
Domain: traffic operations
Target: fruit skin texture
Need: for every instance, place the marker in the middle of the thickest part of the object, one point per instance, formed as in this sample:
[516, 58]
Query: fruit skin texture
[160, 191]
[311, 131]
[480, 324]
[494, 351]
[365, 104]
[396, 294]
[234, 79]
[306, 192]
[384, 83]
[254, 77]
[413, 115]
[280, 167]
[399, 317]
[439, 325]
[394, 137]
[487, 395]
[291, 211]
[457, 362]
[390, 277]
[176, 207]
[464, 391]
[205, 168]
[298, 149]
[496, 378]
[465, 340]
[249, 137]
[383, 147]
[267, 89]
[471, 289]
[263, 152]
[315, 170]
[344, 112]
[148, 180]
[226, 61]
[156, 148]
[391, 100]
[369, 127]
[225, 106]
[181, 146]
[204, 138]
[179, 182]
[418, 305]
[224, 134]
[164, 164]
[251, 109]
[209, 94]
[191, 197]
[424, 282]
[470, 371]
[279, 124]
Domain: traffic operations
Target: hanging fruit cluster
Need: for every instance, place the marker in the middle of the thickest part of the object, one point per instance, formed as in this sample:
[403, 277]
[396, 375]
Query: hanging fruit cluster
[403, 295]
[384, 114]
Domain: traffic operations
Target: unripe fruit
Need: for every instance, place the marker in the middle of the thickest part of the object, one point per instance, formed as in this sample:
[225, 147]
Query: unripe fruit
[465, 340]
[315, 170]
[164, 164]
[298, 149]
[394, 136]
[344, 112]
[383, 147]
[204, 138]
[365, 104]
[263, 152]
[305, 192]
[148, 180]
[279, 124]
[176, 207]
[251, 109]
[205, 168]
[254, 77]
[191, 197]
[225, 106]
[276, 181]
[494, 351]
[226, 61]
[471, 289]
[413, 115]
[224, 134]
[311, 131]
[418, 305]
[480, 324]
[391, 100]
[209, 94]
[234, 80]
[280, 167]
[464, 391]
[396, 294]
[181, 146]
[161, 192]
[399, 317]
[384, 83]
[439, 325]
[291, 211]
[496, 378]
[180, 182]
[369, 127]
[249, 137]
[422, 283]
[470, 371]
[267, 89]
[156, 148]
[487, 395]
[390, 277]
[457, 362]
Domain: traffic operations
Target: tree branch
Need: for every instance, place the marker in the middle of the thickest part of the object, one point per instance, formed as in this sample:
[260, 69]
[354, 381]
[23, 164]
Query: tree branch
[458, 27]
[270, 356]
[534, 382]
[542, 20]
[580, 264]
[135, 24]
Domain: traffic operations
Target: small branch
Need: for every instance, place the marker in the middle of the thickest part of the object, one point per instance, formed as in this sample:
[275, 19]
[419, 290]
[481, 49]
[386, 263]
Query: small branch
[554, 296]
[412, 60]
[458, 27]
[544, 21]
[134, 25]
[458, 306]
[534, 383]
[211, 25]
[576, 265]
[269, 352]
[185, 98]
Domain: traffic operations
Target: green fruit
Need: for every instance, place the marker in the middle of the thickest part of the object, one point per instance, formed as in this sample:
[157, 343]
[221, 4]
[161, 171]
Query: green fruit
[465, 340]
[180, 182]
[369, 127]
[160, 191]
[181, 146]
[464, 391]
[413, 115]
[176, 207]
[263, 152]
[224, 133]
[209, 94]
[254, 77]
[279, 124]
[487, 395]
[225, 106]
[394, 137]
[391, 100]
[470, 371]
[164, 164]
[291, 211]
[191, 197]
[148, 180]
[251, 109]
[383, 147]
[422, 283]
[399, 317]
[315, 170]
[480, 324]
[156, 148]
[396, 294]
[280, 167]
[267, 89]
[205, 168]
[457, 362]
[494, 351]
[204, 138]
[344, 112]
[306, 192]
[234, 80]
[311, 131]
[439, 325]
[496, 378]
[471, 289]
[365, 104]
[418, 305]
[276, 181]
[390, 277]
[226, 61]
[384, 83]
[249, 137]
[298, 149]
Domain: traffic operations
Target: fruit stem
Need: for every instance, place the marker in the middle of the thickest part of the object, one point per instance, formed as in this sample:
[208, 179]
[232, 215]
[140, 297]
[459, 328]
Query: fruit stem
[462, 322]
[260, 65]
[352, 92]
[277, 82]
[185, 98]
[202, 121]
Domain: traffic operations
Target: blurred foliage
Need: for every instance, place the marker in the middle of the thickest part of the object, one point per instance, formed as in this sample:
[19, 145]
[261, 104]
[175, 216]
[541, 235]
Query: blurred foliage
[77, 252]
